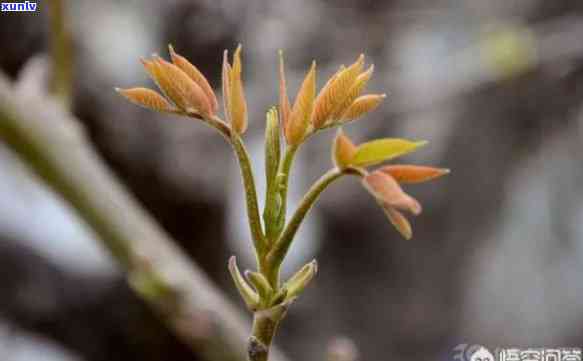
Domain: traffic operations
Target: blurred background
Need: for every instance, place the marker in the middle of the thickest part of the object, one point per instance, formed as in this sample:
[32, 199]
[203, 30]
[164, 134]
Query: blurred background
[495, 86]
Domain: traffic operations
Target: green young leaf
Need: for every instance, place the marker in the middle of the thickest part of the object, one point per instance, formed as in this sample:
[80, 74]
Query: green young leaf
[250, 297]
[253, 216]
[272, 146]
[299, 281]
[261, 285]
[281, 193]
[381, 150]
[272, 160]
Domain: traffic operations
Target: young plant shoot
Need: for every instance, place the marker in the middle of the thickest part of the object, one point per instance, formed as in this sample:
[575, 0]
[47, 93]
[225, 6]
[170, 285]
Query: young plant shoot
[185, 91]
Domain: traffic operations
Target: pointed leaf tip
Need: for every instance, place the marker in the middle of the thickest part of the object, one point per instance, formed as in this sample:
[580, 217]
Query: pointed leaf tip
[399, 221]
[300, 280]
[413, 173]
[249, 296]
[381, 150]
[237, 101]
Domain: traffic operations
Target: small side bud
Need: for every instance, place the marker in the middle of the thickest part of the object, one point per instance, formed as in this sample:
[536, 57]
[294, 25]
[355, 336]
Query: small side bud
[343, 150]
[299, 281]
[250, 297]
[261, 284]
[146, 98]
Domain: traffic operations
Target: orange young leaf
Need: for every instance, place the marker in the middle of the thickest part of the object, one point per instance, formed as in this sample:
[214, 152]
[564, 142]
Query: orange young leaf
[387, 191]
[146, 98]
[343, 150]
[226, 76]
[336, 93]
[299, 119]
[413, 173]
[399, 221]
[195, 74]
[363, 105]
[238, 104]
[355, 90]
[182, 90]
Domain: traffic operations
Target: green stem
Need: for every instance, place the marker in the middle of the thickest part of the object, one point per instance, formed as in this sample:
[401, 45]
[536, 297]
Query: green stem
[272, 209]
[250, 195]
[265, 324]
[279, 250]
[285, 169]
[268, 268]
[248, 179]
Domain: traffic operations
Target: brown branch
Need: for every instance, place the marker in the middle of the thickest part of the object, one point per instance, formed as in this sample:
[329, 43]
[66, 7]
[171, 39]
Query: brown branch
[52, 143]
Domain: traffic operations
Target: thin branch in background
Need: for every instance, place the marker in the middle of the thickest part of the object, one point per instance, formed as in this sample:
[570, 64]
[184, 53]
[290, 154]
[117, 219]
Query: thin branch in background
[61, 53]
[52, 144]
